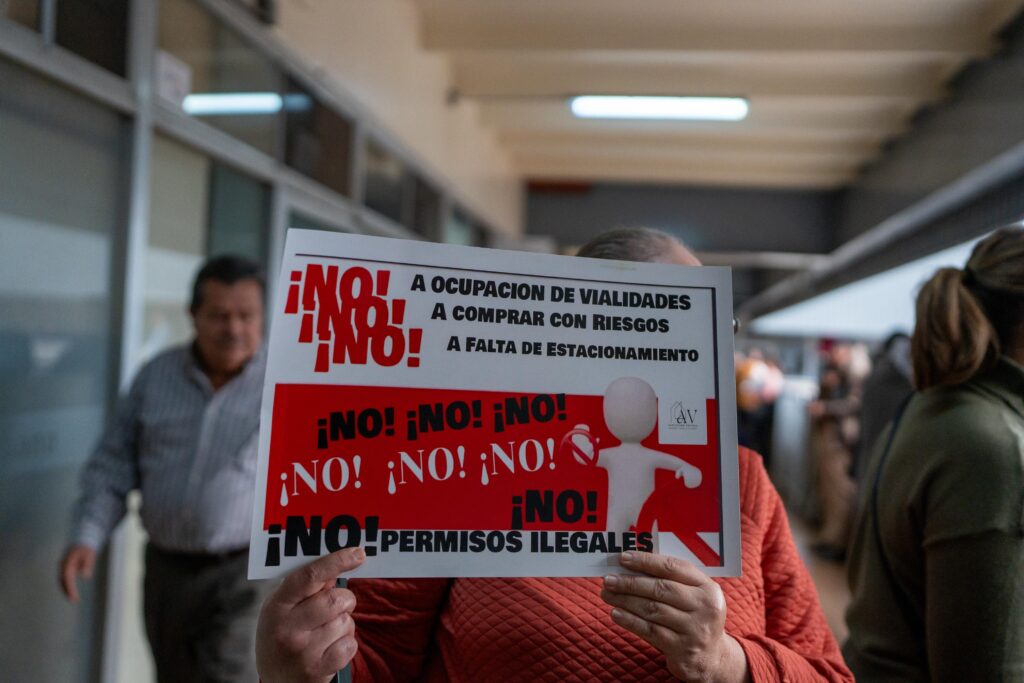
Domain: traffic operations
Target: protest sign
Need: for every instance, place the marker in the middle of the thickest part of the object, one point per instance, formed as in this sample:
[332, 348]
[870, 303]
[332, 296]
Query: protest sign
[470, 412]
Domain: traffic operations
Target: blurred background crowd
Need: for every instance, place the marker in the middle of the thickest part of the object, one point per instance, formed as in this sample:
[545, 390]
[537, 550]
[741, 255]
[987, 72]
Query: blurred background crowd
[836, 397]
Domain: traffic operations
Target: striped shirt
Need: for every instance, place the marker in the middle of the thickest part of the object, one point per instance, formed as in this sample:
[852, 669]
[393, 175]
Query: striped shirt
[191, 450]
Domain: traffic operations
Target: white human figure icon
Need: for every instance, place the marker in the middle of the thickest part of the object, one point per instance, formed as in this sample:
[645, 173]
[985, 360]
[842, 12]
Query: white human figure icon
[630, 412]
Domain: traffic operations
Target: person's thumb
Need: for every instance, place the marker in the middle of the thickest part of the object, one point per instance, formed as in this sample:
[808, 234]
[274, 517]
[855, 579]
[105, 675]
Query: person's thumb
[313, 577]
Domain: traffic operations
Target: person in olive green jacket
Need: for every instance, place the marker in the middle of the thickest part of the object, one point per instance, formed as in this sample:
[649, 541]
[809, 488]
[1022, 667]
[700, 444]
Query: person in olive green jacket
[937, 561]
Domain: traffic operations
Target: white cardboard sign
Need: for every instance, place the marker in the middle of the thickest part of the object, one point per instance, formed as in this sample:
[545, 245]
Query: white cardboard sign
[474, 412]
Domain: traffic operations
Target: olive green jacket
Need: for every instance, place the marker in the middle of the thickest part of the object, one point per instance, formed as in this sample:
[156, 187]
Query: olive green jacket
[942, 599]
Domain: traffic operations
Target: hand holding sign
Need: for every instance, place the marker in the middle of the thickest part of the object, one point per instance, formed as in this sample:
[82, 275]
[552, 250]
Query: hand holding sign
[679, 610]
[306, 631]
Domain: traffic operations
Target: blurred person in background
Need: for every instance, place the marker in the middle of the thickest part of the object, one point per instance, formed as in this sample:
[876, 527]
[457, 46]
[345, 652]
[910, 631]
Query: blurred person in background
[885, 388]
[758, 385]
[834, 435]
[667, 620]
[938, 555]
[186, 436]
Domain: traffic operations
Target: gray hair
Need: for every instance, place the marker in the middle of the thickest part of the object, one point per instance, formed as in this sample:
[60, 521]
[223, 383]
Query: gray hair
[628, 244]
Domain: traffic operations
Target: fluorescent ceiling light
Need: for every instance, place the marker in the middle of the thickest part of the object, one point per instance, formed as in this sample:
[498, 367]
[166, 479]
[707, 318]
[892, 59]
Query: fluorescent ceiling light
[868, 309]
[232, 103]
[684, 108]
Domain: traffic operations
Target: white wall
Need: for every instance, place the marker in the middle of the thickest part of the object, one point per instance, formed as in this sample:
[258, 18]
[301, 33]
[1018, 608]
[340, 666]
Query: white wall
[371, 49]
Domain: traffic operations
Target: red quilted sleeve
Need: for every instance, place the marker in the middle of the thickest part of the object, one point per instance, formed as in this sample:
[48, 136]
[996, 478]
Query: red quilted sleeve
[797, 645]
[395, 623]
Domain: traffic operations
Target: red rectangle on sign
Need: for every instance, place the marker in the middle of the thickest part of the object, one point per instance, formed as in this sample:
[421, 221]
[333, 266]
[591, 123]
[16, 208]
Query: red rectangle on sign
[496, 460]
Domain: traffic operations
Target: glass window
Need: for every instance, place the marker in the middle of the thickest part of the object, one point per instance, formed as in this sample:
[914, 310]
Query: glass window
[198, 208]
[178, 205]
[24, 12]
[232, 86]
[385, 180]
[319, 141]
[61, 177]
[426, 211]
[96, 30]
[459, 228]
[304, 222]
[481, 234]
[239, 213]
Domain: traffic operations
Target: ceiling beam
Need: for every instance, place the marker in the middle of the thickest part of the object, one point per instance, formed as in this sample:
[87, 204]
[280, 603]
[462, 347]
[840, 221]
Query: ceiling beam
[662, 147]
[781, 142]
[692, 174]
[781, 132]
[485, 76]
[759, 162]
[661, 152]
[765, 260]
[497, 27]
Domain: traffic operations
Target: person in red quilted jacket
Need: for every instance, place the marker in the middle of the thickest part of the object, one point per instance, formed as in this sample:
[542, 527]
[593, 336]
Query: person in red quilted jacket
[669, 621]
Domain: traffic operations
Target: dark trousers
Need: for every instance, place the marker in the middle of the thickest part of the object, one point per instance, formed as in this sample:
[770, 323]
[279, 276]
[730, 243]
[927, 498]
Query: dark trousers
[201, 616]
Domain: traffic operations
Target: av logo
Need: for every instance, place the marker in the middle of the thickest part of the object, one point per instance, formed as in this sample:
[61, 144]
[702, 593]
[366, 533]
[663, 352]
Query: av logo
[682, 417]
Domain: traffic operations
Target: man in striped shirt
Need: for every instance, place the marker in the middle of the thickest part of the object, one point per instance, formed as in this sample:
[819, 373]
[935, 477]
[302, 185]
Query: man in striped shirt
[186, 436]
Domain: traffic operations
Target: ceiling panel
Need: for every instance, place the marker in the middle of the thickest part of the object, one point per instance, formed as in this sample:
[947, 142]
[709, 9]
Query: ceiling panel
[828, 83]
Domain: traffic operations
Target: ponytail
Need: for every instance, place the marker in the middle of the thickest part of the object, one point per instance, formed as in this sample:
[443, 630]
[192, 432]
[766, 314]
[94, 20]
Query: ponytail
[966, 318]
[953, 340]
